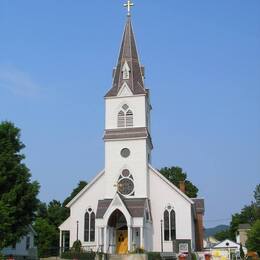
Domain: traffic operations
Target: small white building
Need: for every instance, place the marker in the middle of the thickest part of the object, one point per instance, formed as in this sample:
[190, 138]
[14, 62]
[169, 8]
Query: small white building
[129, 204]
[225, 249]
[25, 248]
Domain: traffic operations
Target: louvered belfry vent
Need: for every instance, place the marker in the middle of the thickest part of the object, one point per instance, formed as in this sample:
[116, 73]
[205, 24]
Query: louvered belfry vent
[125, 117]
[129, 118]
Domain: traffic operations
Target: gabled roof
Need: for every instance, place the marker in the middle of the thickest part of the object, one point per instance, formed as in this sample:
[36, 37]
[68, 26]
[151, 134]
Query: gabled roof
[128, 58]
[85, 189]
[135, 206]
[172, 185]
[227, 244]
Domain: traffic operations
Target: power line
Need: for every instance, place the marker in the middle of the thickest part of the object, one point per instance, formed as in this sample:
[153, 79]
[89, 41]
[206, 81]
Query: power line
[215, 220]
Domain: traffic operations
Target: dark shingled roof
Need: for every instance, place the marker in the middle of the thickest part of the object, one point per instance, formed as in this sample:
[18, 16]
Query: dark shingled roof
[102, 207]
[244, 226]
[135, 206]
[128, 52]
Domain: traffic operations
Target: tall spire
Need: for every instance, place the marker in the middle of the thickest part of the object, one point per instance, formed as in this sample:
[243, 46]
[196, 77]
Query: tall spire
[128, 69]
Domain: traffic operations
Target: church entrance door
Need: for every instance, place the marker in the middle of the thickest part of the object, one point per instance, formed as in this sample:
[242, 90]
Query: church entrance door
[121, 242]
[117, 222]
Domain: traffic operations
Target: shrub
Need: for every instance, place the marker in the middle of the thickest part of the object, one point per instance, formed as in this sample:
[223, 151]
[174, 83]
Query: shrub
[76, 246]
[193, 256]
[138, 250]
[154, 256]
[78, 255]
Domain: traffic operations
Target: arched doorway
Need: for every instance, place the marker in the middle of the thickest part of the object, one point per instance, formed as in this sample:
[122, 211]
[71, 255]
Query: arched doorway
[118, 223]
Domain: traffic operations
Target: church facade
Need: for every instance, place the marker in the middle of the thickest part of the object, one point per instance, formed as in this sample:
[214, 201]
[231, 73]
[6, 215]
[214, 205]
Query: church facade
[130, 205]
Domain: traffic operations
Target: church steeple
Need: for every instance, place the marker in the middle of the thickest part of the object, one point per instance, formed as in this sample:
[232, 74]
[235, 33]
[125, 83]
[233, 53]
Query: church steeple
[128, 70]
[127, 139]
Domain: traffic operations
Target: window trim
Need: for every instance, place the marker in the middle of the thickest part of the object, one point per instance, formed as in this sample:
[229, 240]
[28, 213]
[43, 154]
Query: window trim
[125, 117]
[89, 230]
[168, 228]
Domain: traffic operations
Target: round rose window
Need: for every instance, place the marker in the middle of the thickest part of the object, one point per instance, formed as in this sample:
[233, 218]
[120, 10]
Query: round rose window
[125, 186]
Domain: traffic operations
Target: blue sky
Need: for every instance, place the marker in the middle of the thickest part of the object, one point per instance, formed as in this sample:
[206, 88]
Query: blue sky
[202, 62]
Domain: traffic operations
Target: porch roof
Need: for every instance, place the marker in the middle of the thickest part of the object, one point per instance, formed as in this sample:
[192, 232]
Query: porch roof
[135, 206]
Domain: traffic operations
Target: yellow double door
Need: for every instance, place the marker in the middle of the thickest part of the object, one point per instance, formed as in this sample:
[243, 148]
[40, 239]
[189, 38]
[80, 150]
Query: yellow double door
[121, 242]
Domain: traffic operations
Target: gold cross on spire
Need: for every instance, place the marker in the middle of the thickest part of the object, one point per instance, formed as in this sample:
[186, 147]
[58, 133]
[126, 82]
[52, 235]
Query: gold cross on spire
[129, 5]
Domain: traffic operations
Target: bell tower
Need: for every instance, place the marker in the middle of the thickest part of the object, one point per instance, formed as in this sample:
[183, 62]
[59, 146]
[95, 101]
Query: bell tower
[127, 137]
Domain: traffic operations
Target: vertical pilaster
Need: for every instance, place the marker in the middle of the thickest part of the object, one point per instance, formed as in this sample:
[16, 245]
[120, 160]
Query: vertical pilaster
[98, 238]
[61, 250]
[129, 233]
[142, 237]
[105, 239]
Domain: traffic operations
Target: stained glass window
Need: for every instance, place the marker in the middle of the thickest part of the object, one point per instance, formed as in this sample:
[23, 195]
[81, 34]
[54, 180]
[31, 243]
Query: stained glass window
[89, 226]
[166, 225]
[169, 224]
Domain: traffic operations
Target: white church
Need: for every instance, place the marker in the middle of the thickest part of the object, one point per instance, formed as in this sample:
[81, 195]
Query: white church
[129, 204]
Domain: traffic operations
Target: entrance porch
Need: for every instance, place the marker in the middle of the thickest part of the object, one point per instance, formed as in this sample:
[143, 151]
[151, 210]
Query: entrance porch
[122, 224]
[119, 236]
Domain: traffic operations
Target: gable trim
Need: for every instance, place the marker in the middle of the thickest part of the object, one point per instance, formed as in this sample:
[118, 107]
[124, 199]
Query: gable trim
[85, 189]
[171, 185]
[121, 90]
[112, 207]
[225, 241]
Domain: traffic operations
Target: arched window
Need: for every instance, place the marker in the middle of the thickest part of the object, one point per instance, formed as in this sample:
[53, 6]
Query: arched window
[121, 119]
[125, 117]
[173, 226]
[86, 227]
[92, 226]
[166, 225]
[89, 226]
[169, 224]
[129, 118]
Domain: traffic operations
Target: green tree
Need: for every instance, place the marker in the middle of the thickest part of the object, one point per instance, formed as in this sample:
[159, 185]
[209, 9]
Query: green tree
[18, 195]
[80, 186]
[47, 227]
[75, 191]
[247, 215]
[257, 195]
[257, 200]
[56, 213]
[49, 218]
[222, 235]
[47, 238]
[42, 211]
[241, 252]
[253, 241]
[175, 175]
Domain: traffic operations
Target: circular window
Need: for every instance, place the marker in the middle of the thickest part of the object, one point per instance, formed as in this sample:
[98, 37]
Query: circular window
[125, 152]
[125, 173]
[125, 186]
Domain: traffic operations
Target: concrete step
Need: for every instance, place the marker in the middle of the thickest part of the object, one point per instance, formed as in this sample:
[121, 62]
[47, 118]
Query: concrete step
[128, 257]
